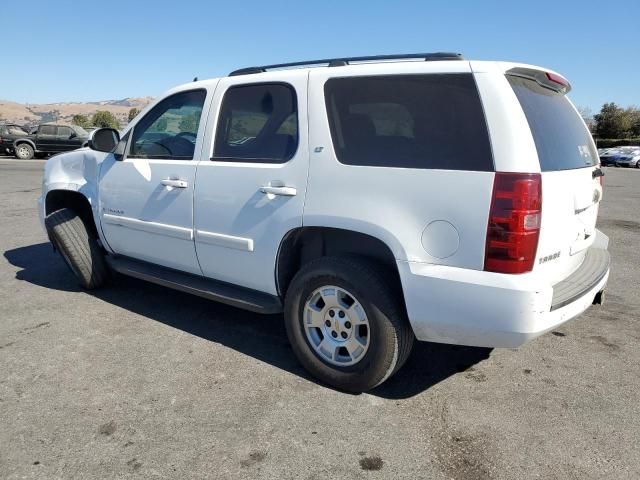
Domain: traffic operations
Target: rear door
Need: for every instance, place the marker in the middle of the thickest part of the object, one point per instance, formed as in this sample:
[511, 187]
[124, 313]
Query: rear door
[251, 187]
[571, 188]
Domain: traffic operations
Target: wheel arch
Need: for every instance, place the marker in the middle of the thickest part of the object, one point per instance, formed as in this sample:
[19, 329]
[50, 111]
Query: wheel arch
[75, 200]
[19, 141]
[301, 245]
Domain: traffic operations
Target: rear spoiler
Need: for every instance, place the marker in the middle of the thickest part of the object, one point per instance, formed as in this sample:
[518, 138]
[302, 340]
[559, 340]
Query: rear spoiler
[550, 80]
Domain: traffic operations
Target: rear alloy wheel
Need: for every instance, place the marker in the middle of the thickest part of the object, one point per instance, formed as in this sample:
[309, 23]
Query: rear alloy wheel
[346, 323]
[336, 326]
[24, 151]
[638, 164]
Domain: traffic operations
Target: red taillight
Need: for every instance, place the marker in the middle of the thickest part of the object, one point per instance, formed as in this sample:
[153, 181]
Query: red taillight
[557, 79]
[514, 223]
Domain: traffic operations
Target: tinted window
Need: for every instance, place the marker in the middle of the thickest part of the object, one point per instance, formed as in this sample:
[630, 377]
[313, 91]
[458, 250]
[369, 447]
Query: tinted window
[409, 121]
[561, 137]
[64, 132]
[258, 123]
[170, 129]
[47, 130]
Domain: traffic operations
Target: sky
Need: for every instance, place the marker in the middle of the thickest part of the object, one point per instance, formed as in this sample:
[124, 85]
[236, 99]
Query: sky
[97, 50]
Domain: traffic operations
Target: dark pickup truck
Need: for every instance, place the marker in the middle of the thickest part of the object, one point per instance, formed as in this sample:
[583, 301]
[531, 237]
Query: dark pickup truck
[9, 133]
[49, 139]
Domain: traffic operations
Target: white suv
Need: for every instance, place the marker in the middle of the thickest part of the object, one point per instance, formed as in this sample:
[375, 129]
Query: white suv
[373, 200]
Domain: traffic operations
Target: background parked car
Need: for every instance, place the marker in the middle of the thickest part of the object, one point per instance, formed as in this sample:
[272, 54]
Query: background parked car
[48, 139]
[608, 156]
[9, 133]
[628, 157]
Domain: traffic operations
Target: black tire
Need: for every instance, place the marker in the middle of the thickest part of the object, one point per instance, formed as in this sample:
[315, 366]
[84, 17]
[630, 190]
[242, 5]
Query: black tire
[24, 151]
[78, 247]
[391, 337]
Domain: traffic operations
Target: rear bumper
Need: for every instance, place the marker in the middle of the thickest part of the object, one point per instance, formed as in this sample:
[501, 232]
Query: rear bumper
[464, 307]
[593, 269]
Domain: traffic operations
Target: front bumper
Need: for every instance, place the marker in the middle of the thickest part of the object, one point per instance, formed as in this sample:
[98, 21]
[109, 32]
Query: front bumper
[484, 309]
[41, 213]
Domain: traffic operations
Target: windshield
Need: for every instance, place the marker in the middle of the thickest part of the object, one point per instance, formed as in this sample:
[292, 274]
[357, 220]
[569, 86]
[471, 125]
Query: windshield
[561, 137]
[81, 132]
[630, 150]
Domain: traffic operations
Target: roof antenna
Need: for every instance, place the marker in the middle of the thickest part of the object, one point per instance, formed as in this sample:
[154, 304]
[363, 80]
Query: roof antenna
[195, 79]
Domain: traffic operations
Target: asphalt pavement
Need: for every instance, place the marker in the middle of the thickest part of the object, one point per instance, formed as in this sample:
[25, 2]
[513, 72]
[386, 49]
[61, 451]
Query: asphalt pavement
[137, 381]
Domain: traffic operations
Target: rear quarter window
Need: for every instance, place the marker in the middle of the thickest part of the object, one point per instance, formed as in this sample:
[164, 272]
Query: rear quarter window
[432, 121]
[561, 137]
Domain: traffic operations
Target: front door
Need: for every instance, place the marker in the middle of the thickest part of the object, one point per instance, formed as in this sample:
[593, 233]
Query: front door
[250, 193]
[67, 139]
[146, 196]
[47, 138]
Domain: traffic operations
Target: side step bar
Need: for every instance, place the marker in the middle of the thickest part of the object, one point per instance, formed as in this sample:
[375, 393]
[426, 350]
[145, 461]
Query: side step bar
[222, 292]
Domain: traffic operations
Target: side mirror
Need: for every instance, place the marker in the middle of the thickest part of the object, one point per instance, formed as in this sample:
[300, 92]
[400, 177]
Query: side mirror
[73, 135]
[104, 140]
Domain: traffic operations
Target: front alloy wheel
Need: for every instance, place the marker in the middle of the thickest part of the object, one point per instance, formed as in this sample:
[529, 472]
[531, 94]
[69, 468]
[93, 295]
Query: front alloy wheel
[24, 151]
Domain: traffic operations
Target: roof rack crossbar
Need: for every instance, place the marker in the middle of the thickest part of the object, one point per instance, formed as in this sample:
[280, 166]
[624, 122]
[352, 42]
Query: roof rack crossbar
[334, 62]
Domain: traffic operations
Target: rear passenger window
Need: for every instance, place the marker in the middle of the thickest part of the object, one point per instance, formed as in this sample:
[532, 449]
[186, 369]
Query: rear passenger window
[258, 123]
[409, 121]
[47, 130]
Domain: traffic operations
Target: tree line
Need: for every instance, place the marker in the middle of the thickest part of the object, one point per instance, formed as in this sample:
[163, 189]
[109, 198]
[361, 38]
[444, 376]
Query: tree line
[614, 122]
[102, 119]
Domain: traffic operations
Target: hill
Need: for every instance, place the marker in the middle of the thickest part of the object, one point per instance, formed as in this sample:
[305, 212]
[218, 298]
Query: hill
[34, 113]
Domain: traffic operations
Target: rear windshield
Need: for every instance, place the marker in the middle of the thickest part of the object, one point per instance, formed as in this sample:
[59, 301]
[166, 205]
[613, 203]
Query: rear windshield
[409, 121]
[562, 139]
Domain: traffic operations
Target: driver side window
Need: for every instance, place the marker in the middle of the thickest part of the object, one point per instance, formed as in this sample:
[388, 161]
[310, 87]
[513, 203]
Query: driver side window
[170, 129]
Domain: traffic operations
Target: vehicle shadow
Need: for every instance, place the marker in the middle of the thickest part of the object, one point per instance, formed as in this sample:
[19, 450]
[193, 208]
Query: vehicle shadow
[260, 336]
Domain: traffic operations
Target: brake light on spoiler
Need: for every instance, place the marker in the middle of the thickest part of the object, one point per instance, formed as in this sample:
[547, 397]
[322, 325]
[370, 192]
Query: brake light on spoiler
[514, 223]
[557, 79]
[549, 80]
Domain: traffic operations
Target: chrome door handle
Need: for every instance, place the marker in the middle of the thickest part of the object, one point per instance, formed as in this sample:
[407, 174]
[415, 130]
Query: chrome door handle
[283, 191]
[169, 182]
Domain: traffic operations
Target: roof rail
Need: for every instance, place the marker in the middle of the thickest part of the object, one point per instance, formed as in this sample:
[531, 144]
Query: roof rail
[338, 62]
